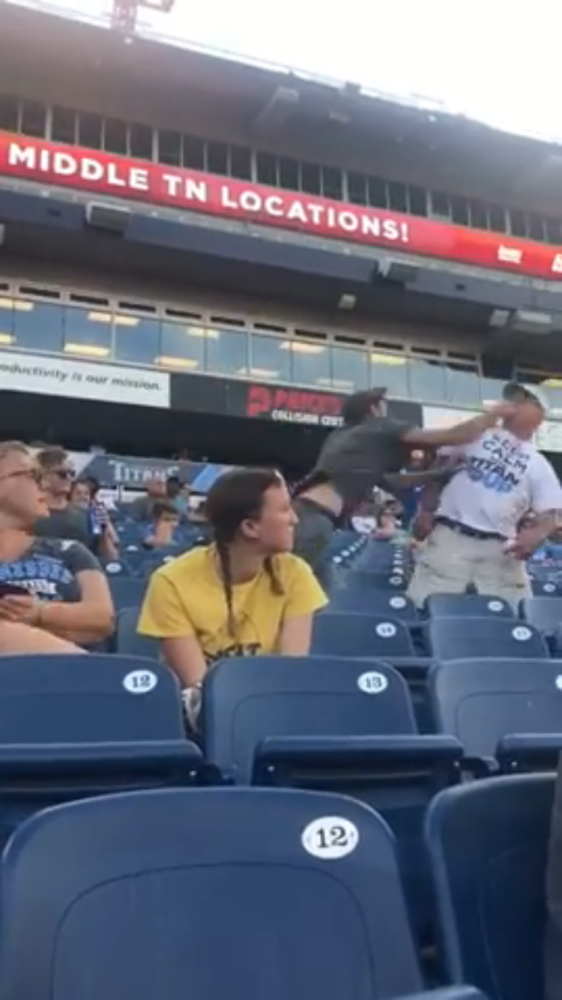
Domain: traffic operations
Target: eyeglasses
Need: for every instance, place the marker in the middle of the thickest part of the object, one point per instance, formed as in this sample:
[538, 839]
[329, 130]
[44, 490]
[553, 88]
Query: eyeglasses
[34, 474]
[60, 473]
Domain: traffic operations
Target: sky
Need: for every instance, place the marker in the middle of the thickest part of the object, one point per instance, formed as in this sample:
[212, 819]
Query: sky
[493, 60]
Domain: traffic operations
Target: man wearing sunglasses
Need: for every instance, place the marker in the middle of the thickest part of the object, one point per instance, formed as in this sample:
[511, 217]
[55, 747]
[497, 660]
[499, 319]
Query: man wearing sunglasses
[63, 519]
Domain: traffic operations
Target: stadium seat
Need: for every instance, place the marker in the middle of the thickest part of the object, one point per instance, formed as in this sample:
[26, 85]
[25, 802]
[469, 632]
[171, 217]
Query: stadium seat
[128, 640]
[462, 637]
[80, 725]
[545, 588]
[389, 582]
[498, 708]
[487, 845]
[545, 613]
[127, 592]
[350, 634]
[206, 894]
[366, 599]
[327, 722]
[474, 605]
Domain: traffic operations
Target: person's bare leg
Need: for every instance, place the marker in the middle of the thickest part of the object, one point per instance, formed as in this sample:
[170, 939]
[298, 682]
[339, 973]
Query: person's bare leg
[16, 638]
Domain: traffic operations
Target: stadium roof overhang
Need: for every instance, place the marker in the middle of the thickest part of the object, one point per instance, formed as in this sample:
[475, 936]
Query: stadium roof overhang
[452, 151]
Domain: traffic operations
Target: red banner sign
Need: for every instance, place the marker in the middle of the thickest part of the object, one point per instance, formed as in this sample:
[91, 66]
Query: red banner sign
[189, 190]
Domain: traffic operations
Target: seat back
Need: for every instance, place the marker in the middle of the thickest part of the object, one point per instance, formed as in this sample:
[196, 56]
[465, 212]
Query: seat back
[480, 701]
[87, 699]
[458, 638]
[475, 605]
[487, 844]
[205, 893]
[350, 634]
[545, 613]
[128, 640]
[247, 699]
[127, 592]
[374, 602]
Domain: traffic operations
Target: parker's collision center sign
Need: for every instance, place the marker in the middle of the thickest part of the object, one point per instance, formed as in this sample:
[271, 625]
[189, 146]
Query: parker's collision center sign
[318, 409]
[187, 190]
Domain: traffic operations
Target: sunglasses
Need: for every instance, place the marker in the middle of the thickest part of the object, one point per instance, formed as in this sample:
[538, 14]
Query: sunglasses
[34, 474]
[63, 474]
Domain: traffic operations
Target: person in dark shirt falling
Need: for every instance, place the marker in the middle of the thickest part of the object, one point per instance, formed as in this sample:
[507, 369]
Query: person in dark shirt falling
[368, 451]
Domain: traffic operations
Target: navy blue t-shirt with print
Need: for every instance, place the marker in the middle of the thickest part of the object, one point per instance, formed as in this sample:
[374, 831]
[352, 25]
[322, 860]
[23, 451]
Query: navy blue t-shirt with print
[48, 569]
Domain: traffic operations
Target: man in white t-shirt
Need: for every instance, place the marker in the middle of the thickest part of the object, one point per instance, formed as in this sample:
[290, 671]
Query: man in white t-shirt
[477, 539]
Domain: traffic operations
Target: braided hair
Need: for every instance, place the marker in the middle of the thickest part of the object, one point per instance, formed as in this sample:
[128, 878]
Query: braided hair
[235, 497]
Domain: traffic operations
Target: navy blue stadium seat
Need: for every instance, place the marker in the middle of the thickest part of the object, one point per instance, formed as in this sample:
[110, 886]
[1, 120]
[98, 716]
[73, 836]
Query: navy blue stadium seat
[128, 640]
[498, 708]
[487, 844]
[475, 605]
[350, 634]
[458, 638]
[127, 592]
[389, 582]
[545, 588]
[367, 599]
[80, 725]
[545, 613]
[116, 568]
[206, 894]
[327, 722]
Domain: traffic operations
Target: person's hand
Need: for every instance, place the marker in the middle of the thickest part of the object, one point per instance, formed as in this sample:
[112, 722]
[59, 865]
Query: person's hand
[500, 411]
[24, 609]
[524, 544]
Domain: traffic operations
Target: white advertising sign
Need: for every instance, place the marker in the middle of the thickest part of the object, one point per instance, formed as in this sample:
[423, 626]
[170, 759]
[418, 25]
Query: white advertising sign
[83, 380]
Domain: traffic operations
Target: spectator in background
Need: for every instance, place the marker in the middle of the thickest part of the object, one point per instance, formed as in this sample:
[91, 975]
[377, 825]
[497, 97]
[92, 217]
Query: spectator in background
[62, 520]
[83, 497]
[387, 523]
[178, 495]
[142, 508]
[163, 531]
[246, 594]
[52, 589]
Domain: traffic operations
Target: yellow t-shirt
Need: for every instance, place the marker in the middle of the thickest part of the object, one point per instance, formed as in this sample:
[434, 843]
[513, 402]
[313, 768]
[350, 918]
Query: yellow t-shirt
[186, 597]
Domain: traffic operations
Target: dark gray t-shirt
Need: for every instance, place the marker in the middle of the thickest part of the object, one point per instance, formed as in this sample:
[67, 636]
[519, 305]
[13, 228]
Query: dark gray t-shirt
[356, 459]
[71, 523]
[49, 568]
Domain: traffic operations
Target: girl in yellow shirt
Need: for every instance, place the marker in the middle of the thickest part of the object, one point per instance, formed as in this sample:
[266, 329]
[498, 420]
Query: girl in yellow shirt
[246, 594]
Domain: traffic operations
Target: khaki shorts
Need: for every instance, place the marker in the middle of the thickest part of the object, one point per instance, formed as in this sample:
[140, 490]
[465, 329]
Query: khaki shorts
[450, 562]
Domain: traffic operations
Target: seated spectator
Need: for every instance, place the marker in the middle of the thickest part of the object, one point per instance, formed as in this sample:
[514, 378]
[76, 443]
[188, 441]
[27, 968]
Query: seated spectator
[246, 594]
[83, 497]
[364, 521]
[178, 495]
[52, 589]
[164, 529]
[142, 508]
[387, 524]
[62, 520]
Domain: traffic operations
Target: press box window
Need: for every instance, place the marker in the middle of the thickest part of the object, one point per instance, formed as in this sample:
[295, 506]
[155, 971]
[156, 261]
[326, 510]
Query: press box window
[332, 183]
[217, 158]
[418, 200]
[289, 174]
[90, 131]
[193, 152]
[377, 191]
[115, 136]
[266, 169]
[310, 178]
[357, 188]
[397, 197]
[169, 148]
[240, 163]
[9, 112]
[140, 141]
[33, 119]
[63, 125]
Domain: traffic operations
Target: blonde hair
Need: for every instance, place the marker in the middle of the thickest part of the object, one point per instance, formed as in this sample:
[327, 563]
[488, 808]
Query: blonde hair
[7, 447]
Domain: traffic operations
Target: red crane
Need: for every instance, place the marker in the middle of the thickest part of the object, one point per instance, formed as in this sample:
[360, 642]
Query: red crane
[125, 12]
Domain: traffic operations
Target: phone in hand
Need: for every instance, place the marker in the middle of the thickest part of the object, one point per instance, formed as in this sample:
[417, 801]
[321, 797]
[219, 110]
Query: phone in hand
[11, 590]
